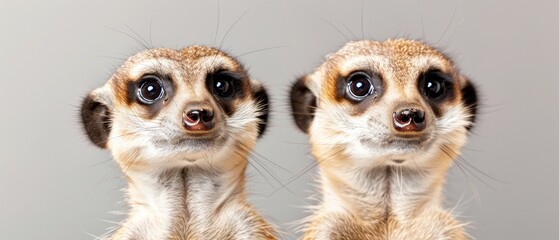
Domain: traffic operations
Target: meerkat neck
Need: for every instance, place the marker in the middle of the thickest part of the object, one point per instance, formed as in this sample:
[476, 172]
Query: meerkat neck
[388, 191]
[185, 189]
[171, 202]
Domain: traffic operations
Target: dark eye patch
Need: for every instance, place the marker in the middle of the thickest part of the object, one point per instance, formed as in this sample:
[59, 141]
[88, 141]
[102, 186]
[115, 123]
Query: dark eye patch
[366, 86]
[151, 91]
[226, 87]
[436, 87]
[225, 84]
[359, 86]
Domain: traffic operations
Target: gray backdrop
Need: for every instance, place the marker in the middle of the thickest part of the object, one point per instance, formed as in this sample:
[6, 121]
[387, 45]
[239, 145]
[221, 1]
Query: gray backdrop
[55, 185]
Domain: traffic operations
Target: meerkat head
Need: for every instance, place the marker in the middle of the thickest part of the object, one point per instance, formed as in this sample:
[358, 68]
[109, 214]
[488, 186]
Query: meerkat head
[165, 108]
[398, 102]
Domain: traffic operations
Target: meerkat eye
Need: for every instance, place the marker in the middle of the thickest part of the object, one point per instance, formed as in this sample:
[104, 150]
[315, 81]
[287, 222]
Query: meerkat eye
[359, 86]
[222, 84]
[435, 85]
[150, 90]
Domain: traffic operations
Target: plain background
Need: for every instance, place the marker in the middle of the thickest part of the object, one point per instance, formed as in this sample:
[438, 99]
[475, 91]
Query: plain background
[54, 184]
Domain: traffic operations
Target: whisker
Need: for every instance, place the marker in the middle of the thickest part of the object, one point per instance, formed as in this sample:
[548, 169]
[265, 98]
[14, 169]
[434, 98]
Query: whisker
[469, 165]
[110, 57]
[471, 184]
[246, 150]
[257, 169]
[230, 28]
[424, 36]
[138, 35]
[347, 28]
[448, 25]
[261, 50]
[217, 25]
[362, 20]
[259, 156]
[336, 28]
[315, 163]
[150, 28]
[130, 36]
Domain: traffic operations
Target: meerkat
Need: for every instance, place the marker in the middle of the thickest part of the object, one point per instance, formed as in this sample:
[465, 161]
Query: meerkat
[180, 124]
[385, 121]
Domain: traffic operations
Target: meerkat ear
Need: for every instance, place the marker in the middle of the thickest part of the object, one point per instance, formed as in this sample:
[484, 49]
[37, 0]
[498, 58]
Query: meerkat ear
[470, 99]
[261, 97]
[96, 119]
[303, 104]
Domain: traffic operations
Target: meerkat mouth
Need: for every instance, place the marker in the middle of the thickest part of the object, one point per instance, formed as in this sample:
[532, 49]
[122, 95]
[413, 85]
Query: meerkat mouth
[203, 141]
[399, 142]
[398, 149]
[405, 141]
[200, 142]
[398, 161]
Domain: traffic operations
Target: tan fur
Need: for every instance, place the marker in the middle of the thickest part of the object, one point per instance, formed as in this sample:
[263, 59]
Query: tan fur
[177, 191]
[364, 194]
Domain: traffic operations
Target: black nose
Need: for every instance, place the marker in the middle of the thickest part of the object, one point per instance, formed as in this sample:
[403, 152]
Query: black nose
[198, 119]
[408, 120]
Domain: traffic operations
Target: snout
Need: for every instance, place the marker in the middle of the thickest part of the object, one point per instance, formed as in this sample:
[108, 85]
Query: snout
[409, 120]
[198, 118]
